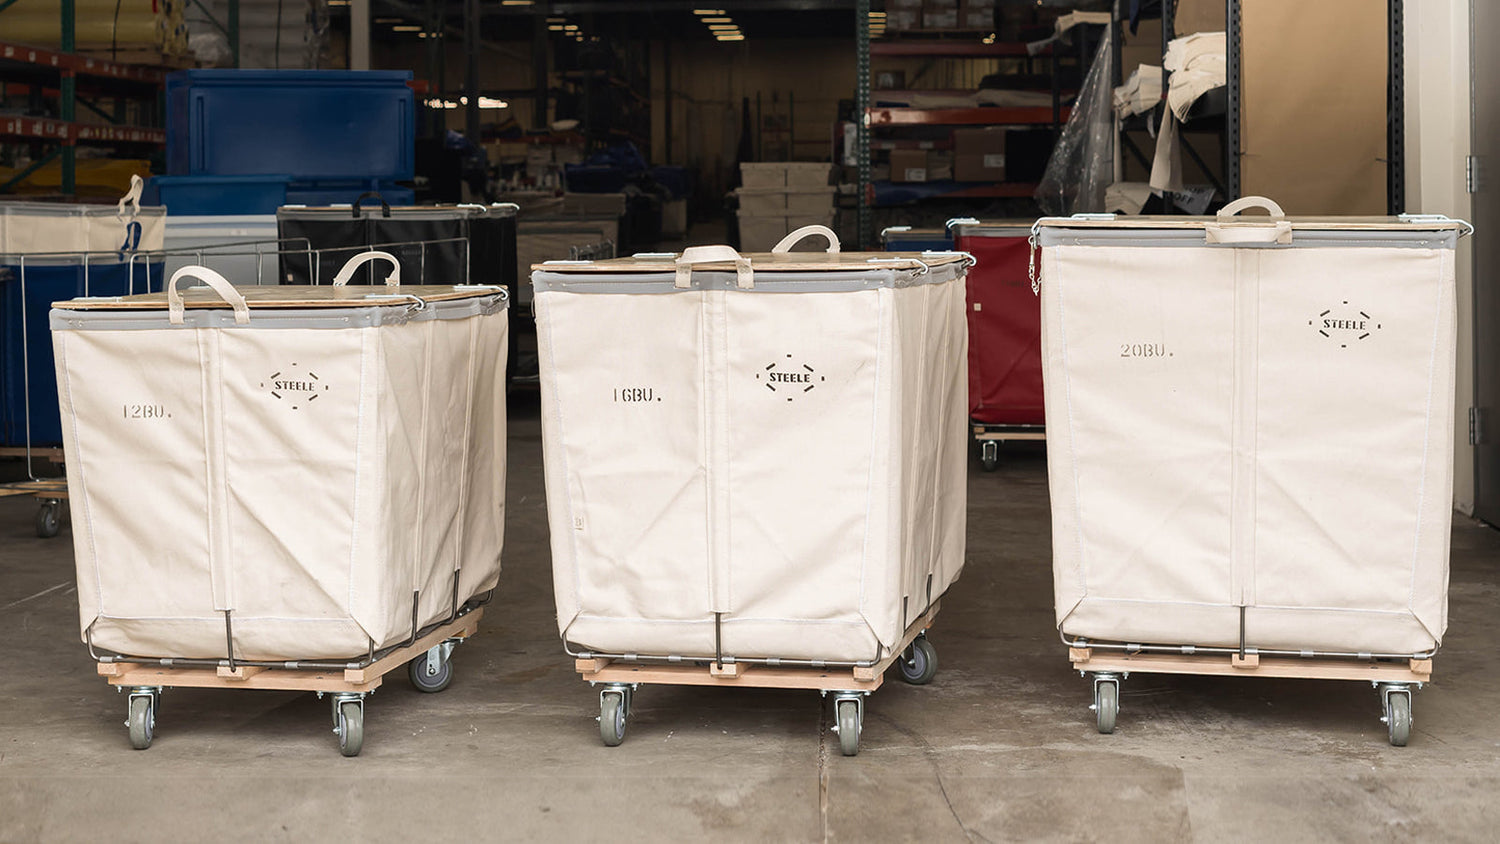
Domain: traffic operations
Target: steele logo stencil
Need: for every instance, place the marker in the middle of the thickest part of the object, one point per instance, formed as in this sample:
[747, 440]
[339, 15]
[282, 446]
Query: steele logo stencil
[1345, 324]
[294, 386]
[789, 378]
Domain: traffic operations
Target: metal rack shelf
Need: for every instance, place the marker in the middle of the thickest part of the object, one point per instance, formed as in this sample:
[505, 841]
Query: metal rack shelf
[980, 116]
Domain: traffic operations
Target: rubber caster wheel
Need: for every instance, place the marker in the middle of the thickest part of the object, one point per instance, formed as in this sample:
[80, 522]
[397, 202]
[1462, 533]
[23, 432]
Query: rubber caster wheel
[1398, 717]
[989, 455]
[612, 718]
[849, 727]
[49, 520]
[351, 727]
[142, 722]
[430, 683]
[1106, 705]
[918, 664]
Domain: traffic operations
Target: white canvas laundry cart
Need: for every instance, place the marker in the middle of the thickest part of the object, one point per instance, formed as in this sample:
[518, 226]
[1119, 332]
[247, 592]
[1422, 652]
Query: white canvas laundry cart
[283, 487]
[755, 467]
[1250, 445]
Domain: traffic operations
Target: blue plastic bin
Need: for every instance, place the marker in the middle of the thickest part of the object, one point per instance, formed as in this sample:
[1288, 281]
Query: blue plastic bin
[314, 125]
[27, 370]
[200, 195]
[907, 239]
[238, 195]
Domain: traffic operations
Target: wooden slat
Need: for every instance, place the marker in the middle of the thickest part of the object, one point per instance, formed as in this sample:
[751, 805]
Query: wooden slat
[208, 678]
[1087, 659]
[1033, 436]
[460, 628]
[729, 671]
[753, 677]
[284, 679]
[590, 666]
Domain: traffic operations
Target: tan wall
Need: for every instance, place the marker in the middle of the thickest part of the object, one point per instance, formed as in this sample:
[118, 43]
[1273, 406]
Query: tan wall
[801, 79]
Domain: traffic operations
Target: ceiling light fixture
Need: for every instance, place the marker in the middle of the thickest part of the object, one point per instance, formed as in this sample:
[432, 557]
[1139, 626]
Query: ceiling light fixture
[406, 29]
[735, 37]
[708, 11]
[718, 20]
[726, 27]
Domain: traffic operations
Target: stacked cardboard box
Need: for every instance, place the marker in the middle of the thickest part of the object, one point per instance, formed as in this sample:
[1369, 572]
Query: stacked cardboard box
[780, 197]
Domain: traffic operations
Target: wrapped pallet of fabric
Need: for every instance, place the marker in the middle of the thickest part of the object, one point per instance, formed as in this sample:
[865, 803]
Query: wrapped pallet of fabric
[1250, 445]
[767, 488]
[1005, 331]
[325, 471]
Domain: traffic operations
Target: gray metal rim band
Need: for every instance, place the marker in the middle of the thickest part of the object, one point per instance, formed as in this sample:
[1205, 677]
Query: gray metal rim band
[370, 316]
[842, 281]
[1182, 238]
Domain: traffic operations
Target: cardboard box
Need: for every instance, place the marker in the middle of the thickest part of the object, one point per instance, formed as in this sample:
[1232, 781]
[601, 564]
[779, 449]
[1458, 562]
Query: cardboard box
[979, 155]
[909, 165]
[761, 233]
[1198, 16]
[976, 14]
[786, 201]
[781, 174]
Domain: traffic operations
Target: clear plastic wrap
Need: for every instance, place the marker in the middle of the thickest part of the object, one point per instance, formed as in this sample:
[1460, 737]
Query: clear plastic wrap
[1082, 163]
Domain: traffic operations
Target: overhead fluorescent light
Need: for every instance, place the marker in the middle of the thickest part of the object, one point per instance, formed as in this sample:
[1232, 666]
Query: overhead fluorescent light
[556, 27]
[718, 20]
[517, 2]
[708, 11]
[572, 27]
[735, 37]
[406, 29]
[880, 15]
[726, 27]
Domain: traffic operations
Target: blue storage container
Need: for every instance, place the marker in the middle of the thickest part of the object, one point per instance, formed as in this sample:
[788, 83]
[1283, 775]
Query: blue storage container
[239, 195]
[315, 125]
[28, 376]
[908, 239]
[216, 195]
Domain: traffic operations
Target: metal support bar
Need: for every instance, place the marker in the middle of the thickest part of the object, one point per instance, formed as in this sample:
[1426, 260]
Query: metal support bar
[1396, 112]
[1198, 160]
[69, 89]
[32, 168]
[1232, 110]
[88, 104]
[232, 30]
[865, 221]
[471, 72]
[207, 13]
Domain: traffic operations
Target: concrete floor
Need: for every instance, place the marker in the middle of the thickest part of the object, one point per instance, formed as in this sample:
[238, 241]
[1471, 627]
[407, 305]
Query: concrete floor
[1000, 747]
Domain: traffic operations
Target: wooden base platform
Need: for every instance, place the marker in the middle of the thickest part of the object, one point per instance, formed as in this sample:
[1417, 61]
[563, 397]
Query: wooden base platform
[865, 678]
[49, 489]
[982, 433]
[1253, 665]
[285, 679]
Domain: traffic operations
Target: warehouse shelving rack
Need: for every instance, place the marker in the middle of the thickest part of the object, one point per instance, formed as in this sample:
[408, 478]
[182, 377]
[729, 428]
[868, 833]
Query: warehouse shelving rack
[868, 117]
[1219, 110]
[41, 69]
